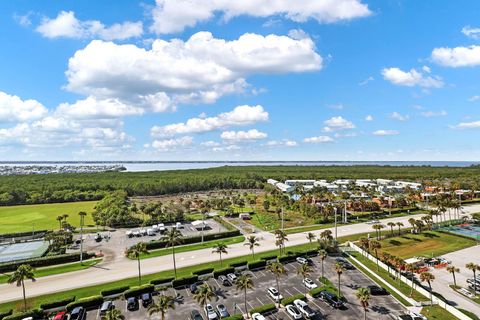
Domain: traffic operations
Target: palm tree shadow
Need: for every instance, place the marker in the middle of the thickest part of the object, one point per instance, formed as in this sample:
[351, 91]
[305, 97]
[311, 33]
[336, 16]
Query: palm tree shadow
[380, 309]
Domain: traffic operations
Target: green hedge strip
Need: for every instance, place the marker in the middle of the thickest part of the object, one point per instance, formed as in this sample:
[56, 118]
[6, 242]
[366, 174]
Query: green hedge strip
[137, 291]
[113, 291]
[160, 281]
[56, 304]
[184, 281]
[88, 302]
[264, 309]
[160, 244]
[289, 300]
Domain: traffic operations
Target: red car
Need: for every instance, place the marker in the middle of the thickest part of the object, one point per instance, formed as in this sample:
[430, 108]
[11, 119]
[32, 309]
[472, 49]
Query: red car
[60, 316]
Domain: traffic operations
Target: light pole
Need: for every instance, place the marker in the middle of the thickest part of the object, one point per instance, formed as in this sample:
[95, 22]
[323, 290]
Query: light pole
[81, 238]
[345, 219]
[335, 210]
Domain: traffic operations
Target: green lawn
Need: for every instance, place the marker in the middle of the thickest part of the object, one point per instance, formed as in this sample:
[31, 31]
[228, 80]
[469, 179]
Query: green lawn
[49, 271]
[437, 313]
[428, 243]
[192, 247]
[42, 216]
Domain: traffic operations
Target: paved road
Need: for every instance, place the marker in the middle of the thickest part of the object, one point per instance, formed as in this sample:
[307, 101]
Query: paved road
[124, 268]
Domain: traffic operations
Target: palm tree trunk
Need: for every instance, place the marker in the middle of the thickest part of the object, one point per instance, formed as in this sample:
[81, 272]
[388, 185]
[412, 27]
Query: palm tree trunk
[245, 296]
[454, 280]
[221, 262]
[139, 272]
[338, 286]
[365, 313]
[322, 268]
[24, 297]
[174, 262]
[253, 254]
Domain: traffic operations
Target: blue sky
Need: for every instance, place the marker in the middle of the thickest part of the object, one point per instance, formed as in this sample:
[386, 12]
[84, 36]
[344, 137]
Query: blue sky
[249, 80]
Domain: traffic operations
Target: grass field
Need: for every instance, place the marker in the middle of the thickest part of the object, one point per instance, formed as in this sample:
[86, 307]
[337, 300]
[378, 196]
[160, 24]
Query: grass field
[428, 243]
[42, 216]
[437, 313]
[50, 271]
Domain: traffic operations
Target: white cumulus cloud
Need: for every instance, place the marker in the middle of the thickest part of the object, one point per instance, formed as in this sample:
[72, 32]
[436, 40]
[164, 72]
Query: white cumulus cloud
[386, 132]
[411, 78]
[282, 143]
[470, 32]
[467, 125]
[397, 116]
[432, 114]
[13, 108]
[457, 57]
[318, 139]
[337, 123]
[170, 144]
[175, 15]
[252, 134]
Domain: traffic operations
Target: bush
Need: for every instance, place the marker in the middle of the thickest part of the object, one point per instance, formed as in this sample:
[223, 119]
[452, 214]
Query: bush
[113, 291]
[89, 302]
[160, 244]
[222, 272]
[270, 257]
[235, 317]
[288, 258]
[36, 313]
[6, 314]
[257, 264]
[45, 261]
[139, 290]
[56, 304]
[160, 281]
[289, 300]
[264, 309]
[311, 253]
[238, 264]
[315, 292]
[184, 281]
[203, 271]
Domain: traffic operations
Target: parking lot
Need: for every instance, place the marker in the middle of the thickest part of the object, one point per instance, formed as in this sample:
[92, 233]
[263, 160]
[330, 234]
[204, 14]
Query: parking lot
[381, 307]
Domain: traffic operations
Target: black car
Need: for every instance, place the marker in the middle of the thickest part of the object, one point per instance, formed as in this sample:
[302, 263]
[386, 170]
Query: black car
[377, 291]
[345, 264]
[79, 313]
[222, 311]
[146, 299]
[195, 315]
[331, 299]
[194, 287]
[224, 280]
[106, 306]
[132, 304]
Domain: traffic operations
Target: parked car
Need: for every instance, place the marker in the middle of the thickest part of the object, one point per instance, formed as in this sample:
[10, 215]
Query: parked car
[331, 299]
[62, 315]
[377, 291]
[302, 260]
[132, 304]
[195, 315]
[178, 225]
[411, 316]
[347, 265]
[194, 286]
[304, 308]
[373, 221]
[222, 311]
[79, 313]
[106, 306]
[293, 312]
[210, 312]
[309, 283]
[147, 299]
[223, 280]
[232, 277]
[150, 232]
[274, 294]
[258, 316]
[129, 233]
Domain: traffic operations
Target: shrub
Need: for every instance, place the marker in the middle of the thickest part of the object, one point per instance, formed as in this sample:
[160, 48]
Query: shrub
[288, 258]
[160, 244]
[6, 314]
[36, 313]
[235, 317]
[203, 271]
[239, 263]
[289, 300]
[139, 290]
[45, 261]
[257, 264]
[184, 281]
[222, 272]
[315, 292]
[270, 257]
[113, 291]
[89, 302]
[56, 304]
[264, 309]
[312, 252]
[160, 281]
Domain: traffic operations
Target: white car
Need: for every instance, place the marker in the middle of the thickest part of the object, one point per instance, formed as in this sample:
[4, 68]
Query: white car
[274, 294]
[373, 221]
[258, 316]
[304, 308]
[417, 316]
[293, 312]
[232, 277]
[150, 232]
[210, 312]
[302, 260]
[309, 283]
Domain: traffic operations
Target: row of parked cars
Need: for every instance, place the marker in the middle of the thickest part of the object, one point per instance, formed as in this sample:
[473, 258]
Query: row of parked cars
[150, 231]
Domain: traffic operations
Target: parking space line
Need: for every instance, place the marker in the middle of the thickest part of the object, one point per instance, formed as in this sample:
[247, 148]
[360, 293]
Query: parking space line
[288, 292]
[260, 301]
[295, 288]
[318, 306]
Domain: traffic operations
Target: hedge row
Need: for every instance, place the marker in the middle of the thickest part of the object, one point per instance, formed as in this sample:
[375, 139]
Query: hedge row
[6, 314]
[270, 257]
[222, 272]
[160, 244]
[316, 291]
[57, 303]
[160, 281]
[235, 317]
[184, 281]
[203, 271]
[89, 302]
[45, 261]
[137, 291]
[36, 313]
[257, 264]
[113, 291]
[264, 309]
[289, 300]
[288, 258]
[238, 264]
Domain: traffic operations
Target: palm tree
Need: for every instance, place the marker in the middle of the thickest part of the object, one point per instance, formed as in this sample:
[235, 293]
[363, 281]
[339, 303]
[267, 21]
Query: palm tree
[244, 282]
[364, 295]
[59, 219]
[278, 270]
[161, 306]
[375, 245]
[173, 238]
[399, 225]
[364, 244]
[428, 278]
[281, 238]
[304, 270]
[311, 237]
[113, 314]
[23, 272]
[82, 215]
[411, 267]
[473, 267]
[204, 294]
[377, 227]
[391, 225]
[323, 255]
[339, 269]
[135, 252]
[413, 223]
[252, 242]
[220, 248]
[453, 270]
[326, 235]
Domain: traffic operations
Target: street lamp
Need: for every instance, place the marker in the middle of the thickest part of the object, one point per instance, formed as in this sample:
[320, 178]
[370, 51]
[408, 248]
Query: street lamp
[335, 210]
[82, 217]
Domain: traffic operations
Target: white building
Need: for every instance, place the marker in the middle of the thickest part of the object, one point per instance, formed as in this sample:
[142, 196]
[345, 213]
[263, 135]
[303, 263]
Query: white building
[411, 185]
[300, 182]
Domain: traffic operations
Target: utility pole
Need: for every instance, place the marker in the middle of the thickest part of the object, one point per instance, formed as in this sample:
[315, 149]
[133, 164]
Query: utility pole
[283, 218]
[81, 238]
[345, 220]
[335, 210]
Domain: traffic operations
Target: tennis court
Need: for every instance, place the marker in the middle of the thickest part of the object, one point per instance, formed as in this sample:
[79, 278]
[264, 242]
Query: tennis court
[22, 251]
[469, 230]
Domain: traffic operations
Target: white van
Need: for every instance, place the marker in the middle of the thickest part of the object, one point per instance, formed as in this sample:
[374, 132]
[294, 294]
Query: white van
[150, 232]
[178, 225]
